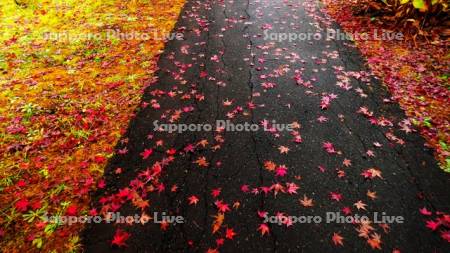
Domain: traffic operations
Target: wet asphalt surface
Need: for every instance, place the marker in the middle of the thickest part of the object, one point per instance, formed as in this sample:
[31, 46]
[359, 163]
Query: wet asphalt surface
[224, 56]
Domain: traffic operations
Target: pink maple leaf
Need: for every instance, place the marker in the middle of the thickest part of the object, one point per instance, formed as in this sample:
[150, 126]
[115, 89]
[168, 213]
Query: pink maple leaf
[292, 188]
[433, 225]
[281, 171]
[336, 196]
[424, 211]
[329, 147]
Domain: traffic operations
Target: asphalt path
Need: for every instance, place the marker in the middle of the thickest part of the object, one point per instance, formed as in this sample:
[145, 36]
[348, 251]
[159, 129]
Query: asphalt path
[351, 149]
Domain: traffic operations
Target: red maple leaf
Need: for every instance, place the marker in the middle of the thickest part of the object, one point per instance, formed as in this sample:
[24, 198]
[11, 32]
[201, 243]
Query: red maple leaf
[120, 237]
[164, 225]
[146, 153]
[171, 151]
[21, 183]
[220, 242]
[22, 205]
[99, 159]
[229, 234]
[222, 206]
[215, 192]
[72, 210]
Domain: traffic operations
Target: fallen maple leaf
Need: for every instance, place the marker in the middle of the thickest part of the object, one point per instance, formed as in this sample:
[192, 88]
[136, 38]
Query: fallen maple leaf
[424, 211]
[322, 119]
[218, 221]
[337, 239]
[336, 196]
[229, 234]
[445, 235]
[386, 228]
[215, 192]
[292, 188]
[374, 241]
[325, 102]
[306, 202]
[376, 173]
[245, 188]
[347, 162]
[281, 171]
[371, 173]
[329, 147]
[371, 194]
[263, 228]
[164, 225]
[220, 242]
[146, 153]
[283, 149]
[223, 207]
[370, 153]
[203, 143]
[120, 237]
[201, 161]
[269, 165]
[193, 200]
[360, 205]
[433, 225]
[227, 102]
[346, 210]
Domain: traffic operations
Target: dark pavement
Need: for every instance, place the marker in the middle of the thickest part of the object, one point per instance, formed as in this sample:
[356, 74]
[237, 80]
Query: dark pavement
[224, 57]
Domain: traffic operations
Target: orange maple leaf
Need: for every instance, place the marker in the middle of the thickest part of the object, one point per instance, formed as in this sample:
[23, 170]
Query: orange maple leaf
[306, 202]
[375, 241]
[337, 239]
[201, 161]
[203, 143]
[371, 194]
[218, 221]
[269, 165]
